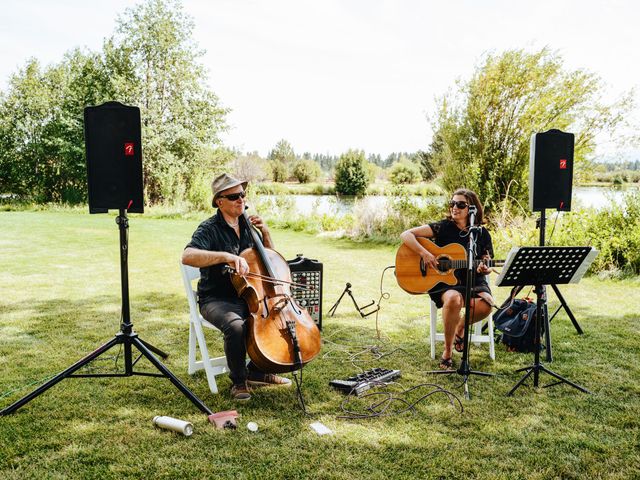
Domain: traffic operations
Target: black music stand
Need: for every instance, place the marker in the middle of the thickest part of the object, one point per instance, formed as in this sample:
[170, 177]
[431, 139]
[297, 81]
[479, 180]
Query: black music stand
[541, 266]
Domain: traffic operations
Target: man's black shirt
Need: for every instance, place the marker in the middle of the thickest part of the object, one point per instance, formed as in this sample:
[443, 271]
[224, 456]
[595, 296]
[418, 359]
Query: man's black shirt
[216, 235]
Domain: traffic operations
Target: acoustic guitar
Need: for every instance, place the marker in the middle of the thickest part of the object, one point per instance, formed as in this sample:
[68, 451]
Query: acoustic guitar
[415, 277]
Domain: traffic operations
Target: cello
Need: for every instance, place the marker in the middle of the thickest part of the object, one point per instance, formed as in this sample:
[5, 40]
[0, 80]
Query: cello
[281, 335]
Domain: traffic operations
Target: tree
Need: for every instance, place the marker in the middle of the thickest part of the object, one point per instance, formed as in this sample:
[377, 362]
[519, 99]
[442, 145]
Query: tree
[306, 171]
[425, 162]
[375, 158]
[351, 173]
[283, 152]
[279, 170]
[482, 130]
[326, 162]
[150, 62]
[153, 63]
[404, 172]
[41, 129]
[250, 167]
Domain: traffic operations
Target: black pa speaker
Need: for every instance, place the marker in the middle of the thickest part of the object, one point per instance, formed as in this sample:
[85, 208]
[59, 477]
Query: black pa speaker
[551, 170]
[114, 157]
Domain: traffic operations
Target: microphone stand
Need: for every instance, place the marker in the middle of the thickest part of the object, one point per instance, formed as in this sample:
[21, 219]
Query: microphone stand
[465, 369]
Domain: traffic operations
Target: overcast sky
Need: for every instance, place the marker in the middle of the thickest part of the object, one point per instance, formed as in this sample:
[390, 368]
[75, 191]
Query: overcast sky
[329, 75]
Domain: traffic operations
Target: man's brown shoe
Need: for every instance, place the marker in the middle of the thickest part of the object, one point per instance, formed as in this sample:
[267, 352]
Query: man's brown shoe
[240, 392]
[259, 379]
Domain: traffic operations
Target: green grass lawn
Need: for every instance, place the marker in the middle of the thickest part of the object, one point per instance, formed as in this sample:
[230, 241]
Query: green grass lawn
[60, 299]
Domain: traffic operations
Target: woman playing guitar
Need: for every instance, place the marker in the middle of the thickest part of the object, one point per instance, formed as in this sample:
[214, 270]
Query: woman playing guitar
[450, 298]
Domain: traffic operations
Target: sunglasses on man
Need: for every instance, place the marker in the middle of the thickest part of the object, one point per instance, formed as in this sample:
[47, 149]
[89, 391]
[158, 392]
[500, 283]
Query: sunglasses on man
[461, 205]
[233, 196]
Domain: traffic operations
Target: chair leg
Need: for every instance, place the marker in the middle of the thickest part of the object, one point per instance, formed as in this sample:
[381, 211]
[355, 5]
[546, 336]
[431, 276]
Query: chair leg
[492, 349]
[432, 331]
[477, 330]
[192, 349]
[206, 361]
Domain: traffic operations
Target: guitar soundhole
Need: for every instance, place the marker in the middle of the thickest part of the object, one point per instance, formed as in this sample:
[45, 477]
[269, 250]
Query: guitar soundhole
[444, 264]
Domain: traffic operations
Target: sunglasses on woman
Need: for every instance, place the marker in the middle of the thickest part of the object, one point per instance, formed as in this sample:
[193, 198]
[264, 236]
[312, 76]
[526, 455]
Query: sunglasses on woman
[233, 196]
[461, 205]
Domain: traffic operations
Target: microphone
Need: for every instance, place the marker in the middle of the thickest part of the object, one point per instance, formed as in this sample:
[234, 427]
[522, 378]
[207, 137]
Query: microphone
[473, 210]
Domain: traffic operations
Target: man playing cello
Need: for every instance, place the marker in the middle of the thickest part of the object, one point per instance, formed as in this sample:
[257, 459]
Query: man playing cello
[217, 242]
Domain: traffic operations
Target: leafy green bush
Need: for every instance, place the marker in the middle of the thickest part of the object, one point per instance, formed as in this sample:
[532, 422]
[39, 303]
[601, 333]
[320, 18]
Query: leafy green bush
[401, 173]
[351, 173]
[279, 171]
[614, 231]
[306, 171]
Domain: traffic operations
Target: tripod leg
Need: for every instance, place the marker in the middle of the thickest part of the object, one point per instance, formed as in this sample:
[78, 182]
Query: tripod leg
[332, 310]
[465, 382]
[61, 376]
[520, 382]
[155, 350]
[567, 309]
[564, 380]
[547, 335]
[355, 304]
[167, 373]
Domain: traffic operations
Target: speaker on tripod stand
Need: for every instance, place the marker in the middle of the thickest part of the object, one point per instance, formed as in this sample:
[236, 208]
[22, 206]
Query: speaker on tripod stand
[114, 172]
[550, 187]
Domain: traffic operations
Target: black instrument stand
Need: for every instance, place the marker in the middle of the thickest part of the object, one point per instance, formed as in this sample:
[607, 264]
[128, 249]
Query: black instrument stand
[541, 266]
[361, 310]
[126, 336]
[465, 369]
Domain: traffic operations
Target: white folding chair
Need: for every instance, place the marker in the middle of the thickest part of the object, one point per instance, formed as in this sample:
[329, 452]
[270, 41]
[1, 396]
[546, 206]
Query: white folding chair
[212, 365]
[477, 337]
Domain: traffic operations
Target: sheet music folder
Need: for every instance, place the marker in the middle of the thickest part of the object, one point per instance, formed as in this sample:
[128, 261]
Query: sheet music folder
[545, 265]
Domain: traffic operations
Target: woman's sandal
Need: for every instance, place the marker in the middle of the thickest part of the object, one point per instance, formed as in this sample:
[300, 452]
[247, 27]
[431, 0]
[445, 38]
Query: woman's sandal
[458, 344]
[445, 363]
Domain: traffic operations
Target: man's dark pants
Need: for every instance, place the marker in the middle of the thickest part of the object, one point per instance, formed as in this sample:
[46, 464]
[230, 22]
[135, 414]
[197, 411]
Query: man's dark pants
[229, 315]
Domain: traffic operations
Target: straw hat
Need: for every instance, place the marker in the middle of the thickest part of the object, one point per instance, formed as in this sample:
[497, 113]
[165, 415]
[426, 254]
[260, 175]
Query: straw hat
[224, 182]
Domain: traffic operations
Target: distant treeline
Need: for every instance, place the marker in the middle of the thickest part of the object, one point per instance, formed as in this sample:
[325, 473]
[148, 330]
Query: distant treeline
[617, 166]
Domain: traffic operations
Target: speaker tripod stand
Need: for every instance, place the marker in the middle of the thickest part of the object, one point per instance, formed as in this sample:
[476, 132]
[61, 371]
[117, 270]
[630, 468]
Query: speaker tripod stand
[541, 224]
[125, 337]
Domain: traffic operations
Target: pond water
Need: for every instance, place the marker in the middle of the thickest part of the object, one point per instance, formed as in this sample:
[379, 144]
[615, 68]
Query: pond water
[596, 197]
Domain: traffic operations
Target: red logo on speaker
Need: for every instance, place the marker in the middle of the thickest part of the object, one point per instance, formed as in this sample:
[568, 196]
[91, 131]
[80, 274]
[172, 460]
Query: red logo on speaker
[563, 164]
[128, 149]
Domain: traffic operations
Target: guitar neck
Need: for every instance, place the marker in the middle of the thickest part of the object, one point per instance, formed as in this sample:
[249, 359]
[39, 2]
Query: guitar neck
[456, 264]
